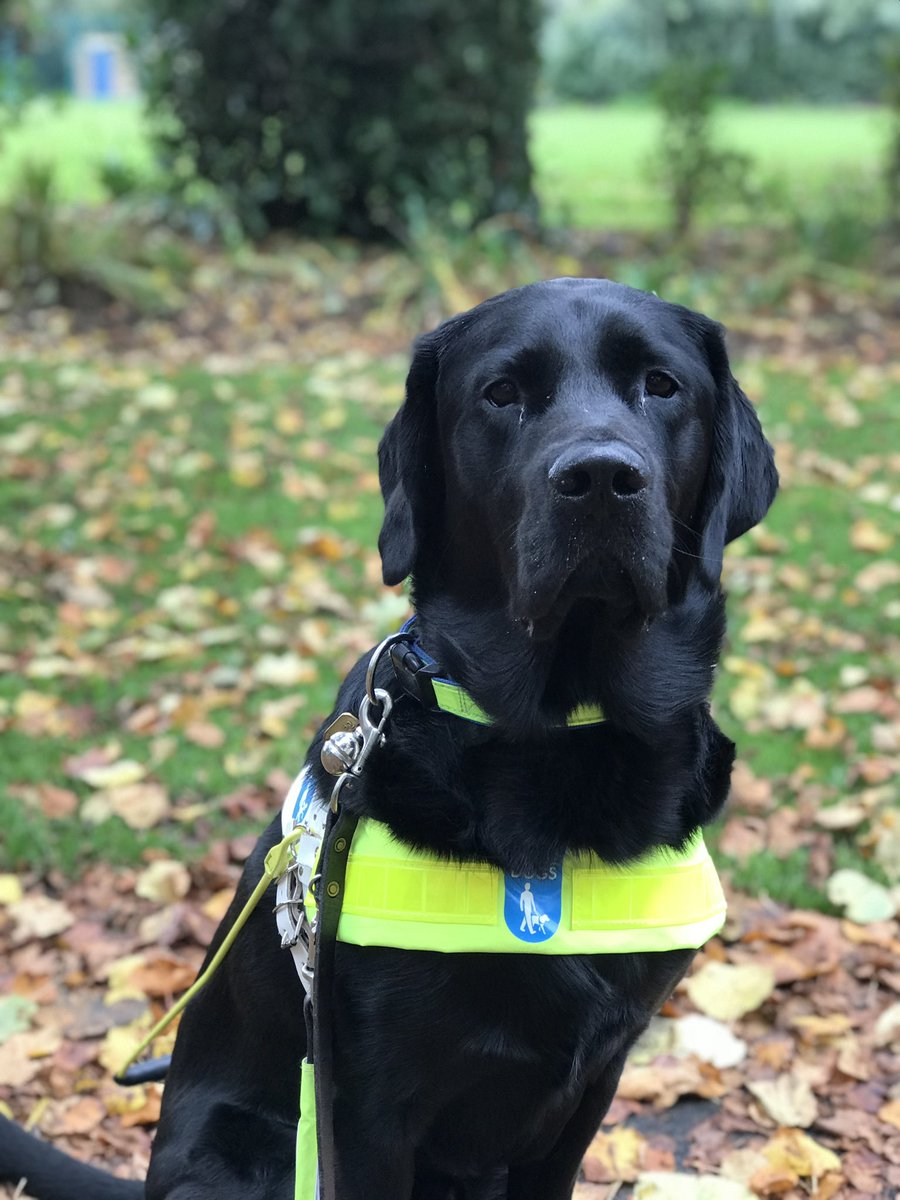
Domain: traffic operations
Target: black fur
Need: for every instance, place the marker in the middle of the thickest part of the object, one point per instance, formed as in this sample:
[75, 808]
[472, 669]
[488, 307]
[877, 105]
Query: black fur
[483, 1077]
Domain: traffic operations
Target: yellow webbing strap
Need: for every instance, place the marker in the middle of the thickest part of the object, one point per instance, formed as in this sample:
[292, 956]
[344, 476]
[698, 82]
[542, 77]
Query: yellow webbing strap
[277, 861]
[306, 1173]
[451, 698]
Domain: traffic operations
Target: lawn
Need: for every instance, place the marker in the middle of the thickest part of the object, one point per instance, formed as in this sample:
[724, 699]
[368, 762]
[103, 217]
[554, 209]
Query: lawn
[590, 162]
[189, 566]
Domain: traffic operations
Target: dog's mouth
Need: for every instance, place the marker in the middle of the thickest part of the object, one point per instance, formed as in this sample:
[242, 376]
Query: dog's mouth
[627, 586]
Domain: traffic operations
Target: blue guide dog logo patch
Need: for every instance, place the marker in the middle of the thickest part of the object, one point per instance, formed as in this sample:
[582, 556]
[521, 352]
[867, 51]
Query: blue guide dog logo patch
[532, 905]
[305, 795]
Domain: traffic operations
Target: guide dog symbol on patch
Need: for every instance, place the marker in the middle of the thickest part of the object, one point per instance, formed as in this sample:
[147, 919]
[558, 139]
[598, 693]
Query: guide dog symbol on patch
[533, 904]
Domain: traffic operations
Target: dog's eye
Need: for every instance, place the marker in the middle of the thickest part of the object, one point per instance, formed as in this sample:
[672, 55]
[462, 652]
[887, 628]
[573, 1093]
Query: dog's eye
[501, 393]
[658, 383]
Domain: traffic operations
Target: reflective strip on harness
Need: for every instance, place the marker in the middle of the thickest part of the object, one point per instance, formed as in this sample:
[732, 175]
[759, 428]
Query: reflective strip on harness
[399, 897]
[404, 898]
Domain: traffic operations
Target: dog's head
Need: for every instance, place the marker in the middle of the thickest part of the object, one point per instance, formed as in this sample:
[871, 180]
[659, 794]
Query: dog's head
[575, 439]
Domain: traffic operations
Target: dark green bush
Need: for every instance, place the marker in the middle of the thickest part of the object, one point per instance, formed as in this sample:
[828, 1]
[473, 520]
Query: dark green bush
[817, 50]
[330, 118]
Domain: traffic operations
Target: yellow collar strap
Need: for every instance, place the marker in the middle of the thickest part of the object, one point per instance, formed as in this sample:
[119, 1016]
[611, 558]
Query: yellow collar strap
[421, 676]
[451, 698]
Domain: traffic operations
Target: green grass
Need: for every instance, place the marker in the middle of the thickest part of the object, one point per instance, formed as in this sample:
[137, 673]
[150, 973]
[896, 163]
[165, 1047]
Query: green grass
[104, 477]
[77, 136]
[590, 162]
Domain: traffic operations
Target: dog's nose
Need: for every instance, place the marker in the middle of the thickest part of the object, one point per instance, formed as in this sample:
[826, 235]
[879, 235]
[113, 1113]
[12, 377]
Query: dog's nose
[599, 475]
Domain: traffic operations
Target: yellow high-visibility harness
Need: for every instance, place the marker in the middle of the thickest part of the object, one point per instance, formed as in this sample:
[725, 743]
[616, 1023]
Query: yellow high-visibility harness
[396, 896]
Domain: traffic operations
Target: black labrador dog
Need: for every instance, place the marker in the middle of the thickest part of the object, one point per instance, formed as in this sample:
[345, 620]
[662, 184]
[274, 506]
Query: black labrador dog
[568, 465]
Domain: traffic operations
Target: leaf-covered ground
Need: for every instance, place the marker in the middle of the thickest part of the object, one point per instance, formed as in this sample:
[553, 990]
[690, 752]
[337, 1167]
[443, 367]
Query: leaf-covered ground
[187, 567]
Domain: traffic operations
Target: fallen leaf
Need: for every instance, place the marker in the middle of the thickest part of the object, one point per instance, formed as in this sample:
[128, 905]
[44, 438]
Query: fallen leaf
[204, 733]
[21, 1055]
[787, 1100]
[614, 1156]
[164, 881]
[866, 535]
[113, 775]
[15, 1015]
[886, 1031]
[728, 991]
[841, 816]
[140, 805]
[863, 899]
[284, 670]
[708, 1039]
[77, 1115]
[10, 890]
[163, 976]
[877, 575]
[39, 917]
[217, 905]
[661, 1185]
[796, 1152]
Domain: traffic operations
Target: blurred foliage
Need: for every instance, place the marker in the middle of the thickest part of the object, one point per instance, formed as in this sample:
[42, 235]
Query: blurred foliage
[688, 164]
[892, 157]
[820, 50]
[86, 257]
[334, 119]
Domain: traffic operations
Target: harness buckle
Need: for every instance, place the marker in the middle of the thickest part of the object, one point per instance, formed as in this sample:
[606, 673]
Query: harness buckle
[414, 674]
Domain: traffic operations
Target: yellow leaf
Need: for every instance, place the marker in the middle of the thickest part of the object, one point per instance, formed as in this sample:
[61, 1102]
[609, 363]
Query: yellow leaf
[794, 1151]
[121, 1042]
[661, 1185]
[822, 1029]
[117, 774]
[164, 881]
[217, 905]
[10, 890]
[30, 703]
[727, 991]
[615, 1156]
[866, 535]
[119, 975]
[284, 670]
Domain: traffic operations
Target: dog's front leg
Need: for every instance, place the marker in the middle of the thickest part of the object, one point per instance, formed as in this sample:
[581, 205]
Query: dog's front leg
[367, 1171]
[553, 1178]
[370, 1163]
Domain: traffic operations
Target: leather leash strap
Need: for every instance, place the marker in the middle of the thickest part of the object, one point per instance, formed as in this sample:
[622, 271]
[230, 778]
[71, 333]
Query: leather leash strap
[320, 1050]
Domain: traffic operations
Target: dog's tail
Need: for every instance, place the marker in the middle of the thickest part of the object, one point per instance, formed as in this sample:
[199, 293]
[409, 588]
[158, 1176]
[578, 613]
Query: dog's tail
[48, 1174]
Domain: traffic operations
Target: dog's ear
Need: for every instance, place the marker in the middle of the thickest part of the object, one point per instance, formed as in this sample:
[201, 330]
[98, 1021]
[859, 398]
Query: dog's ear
[742, 480]
[409, 467]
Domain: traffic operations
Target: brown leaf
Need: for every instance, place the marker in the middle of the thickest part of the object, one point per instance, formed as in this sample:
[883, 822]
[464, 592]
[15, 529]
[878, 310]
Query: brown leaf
[78, 1115]
[163, 976]
[204, 733]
